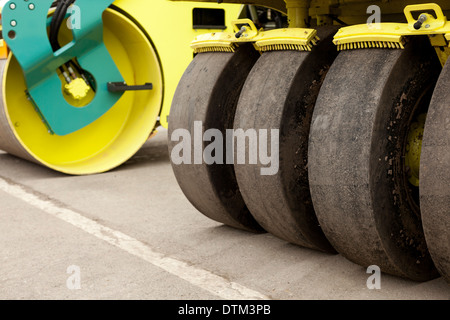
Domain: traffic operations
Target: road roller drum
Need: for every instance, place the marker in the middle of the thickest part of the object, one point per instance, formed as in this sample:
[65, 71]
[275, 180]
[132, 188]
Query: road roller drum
[99, 80]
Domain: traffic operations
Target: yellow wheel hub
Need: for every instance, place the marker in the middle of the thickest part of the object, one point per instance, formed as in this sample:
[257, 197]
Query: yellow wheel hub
[414, 148]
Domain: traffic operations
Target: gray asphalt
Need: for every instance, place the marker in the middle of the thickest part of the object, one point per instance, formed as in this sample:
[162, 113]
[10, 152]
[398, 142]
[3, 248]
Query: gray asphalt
[142, 200]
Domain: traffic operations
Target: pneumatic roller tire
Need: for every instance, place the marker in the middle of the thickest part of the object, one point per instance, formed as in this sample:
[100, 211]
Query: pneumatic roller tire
[279, 95]
[435, 176]
[358, 176]
[206, 98]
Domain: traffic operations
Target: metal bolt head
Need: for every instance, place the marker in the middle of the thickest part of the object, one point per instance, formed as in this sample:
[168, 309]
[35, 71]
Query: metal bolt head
[31, 6]
[12, 6]
[13, 23]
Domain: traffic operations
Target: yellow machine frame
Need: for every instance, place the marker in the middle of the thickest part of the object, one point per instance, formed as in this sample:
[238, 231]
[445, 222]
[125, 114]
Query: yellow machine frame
[171, 32]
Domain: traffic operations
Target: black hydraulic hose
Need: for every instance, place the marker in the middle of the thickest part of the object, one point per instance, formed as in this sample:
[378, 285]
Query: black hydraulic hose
[57, 7]
[55, 45]
[56, 14]
[57, 21]
[55, 26]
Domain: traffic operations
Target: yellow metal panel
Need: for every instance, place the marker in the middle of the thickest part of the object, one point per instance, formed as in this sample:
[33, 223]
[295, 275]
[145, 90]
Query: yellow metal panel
[170, 27]
[275, 4]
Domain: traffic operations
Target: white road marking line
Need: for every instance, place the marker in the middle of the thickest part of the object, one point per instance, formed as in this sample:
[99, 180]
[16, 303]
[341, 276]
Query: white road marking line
[203, 279]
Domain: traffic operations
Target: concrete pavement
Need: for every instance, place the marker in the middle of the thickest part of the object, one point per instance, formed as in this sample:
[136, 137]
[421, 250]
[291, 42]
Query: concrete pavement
[131, 234]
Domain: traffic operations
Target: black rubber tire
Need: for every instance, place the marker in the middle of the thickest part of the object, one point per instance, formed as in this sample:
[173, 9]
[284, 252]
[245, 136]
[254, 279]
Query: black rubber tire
[357, 144]
[280, 94]
[435, 175]
[208, 92]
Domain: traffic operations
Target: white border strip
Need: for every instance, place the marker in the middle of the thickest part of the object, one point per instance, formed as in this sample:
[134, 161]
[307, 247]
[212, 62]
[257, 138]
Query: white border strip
[203, 279]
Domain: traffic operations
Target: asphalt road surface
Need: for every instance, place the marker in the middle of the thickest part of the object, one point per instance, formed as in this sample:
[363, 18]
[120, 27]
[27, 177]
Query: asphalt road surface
[131, 234]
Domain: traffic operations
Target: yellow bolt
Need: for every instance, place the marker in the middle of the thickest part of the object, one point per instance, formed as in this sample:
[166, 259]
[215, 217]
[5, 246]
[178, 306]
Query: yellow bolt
[78, 89]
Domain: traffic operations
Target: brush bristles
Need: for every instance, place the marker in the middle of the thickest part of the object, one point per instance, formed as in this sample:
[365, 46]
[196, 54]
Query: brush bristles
[260, 46]
[315, 40]
[372, 44]
[229, 49]
[285, 47]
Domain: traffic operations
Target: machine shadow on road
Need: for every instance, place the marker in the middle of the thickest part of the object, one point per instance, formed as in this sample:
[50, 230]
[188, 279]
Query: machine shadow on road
[152, 152]
[155, 150]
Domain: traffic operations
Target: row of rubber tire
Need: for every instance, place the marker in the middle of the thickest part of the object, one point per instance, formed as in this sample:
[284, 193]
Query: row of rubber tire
[343, 121]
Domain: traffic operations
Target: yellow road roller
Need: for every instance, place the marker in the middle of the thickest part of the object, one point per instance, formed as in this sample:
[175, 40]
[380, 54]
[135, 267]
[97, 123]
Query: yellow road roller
[86, 83]
[351, 100]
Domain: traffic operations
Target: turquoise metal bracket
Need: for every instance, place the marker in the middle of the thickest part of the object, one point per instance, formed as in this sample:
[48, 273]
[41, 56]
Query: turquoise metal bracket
[25, 32]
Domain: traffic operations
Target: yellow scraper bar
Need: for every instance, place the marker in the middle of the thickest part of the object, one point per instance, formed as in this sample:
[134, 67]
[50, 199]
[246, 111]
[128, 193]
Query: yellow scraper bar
[393, 35]
[213, 42]
[298, 39]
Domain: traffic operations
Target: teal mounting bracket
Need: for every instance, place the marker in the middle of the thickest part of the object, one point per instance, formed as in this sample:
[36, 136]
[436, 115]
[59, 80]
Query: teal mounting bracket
[25, 25]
